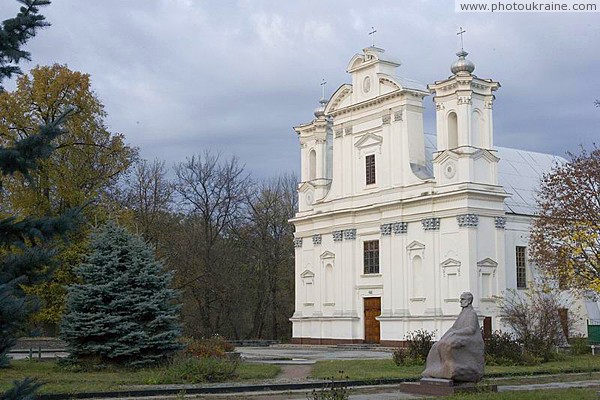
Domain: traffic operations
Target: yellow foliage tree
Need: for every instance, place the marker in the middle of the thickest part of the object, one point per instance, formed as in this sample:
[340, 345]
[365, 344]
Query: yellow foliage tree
[85, 166]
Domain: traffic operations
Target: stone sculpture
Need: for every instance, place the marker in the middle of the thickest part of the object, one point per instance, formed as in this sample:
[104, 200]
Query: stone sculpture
[459, 354]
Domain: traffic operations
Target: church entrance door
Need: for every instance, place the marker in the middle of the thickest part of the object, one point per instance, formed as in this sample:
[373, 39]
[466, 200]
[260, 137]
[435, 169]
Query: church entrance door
[372, 310]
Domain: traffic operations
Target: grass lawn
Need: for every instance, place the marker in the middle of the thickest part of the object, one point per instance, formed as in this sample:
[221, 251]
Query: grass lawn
[381, 369]
[60, 380]
[562, 394]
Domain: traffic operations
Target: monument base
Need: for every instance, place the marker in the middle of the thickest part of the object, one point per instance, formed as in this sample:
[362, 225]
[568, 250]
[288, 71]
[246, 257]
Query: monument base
[444, 387]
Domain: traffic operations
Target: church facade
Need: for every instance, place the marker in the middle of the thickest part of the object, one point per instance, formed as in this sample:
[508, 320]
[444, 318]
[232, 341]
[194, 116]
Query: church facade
[394, 224]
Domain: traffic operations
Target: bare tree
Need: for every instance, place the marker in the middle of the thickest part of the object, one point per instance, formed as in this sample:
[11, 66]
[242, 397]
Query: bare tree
[211, 195]
[149, 195]
[270, 241]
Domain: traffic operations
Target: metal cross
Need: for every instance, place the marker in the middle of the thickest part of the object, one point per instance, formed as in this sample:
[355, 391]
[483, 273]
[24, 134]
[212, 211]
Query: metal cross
[460, 32]
[323, 83]
[372, 34]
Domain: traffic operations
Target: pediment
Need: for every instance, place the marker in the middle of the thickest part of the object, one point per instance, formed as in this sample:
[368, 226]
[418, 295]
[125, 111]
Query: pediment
[445, 155]
[368, 140]
[485, 154]
[415, 245]
[307, 274]
[450, 262]
[343, 93]
[487, 262]
[305, 186]
[327, 254]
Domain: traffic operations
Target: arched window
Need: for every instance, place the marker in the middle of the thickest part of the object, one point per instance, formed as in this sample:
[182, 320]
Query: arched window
[417, 275]
[312, 165]
[452, 131]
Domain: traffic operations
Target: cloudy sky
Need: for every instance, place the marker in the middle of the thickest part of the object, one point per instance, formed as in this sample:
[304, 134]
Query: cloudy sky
[181, 76]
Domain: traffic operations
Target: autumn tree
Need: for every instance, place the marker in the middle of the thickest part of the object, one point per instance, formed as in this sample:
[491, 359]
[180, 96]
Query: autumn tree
[565, 235]
[26, 256]
[86, 162]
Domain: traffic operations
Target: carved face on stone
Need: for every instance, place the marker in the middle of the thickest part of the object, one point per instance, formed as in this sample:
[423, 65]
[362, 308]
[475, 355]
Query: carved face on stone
[466, 299]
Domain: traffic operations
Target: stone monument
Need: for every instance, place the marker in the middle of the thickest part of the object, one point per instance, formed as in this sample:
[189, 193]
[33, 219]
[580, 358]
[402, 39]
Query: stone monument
[459, 354]
[455, 362]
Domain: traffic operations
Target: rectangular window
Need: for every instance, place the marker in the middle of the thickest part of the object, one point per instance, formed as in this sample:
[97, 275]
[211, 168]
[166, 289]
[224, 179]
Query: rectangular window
[371, 257]
[521, 267]
[370, 169]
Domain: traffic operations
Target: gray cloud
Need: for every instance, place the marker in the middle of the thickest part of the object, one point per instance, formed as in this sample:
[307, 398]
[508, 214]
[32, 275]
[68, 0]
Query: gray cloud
[180, 76]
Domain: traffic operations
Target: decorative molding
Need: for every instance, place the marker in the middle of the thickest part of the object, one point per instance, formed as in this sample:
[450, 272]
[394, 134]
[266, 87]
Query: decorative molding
[338, 132]
[298, 242]
[337, 236]
[320, 141]
[431, 224]
[316, 239]
[439, 107]
[488, 104]
[398, 115]
[467, 220]
[464, 100]
[385, 229]
[349, 234]
[500, 222]
[400, 227]
[385, 119]
[348, 130]
[327, 255]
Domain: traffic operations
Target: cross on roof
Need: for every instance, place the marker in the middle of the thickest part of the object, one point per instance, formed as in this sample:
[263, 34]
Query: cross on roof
[323, 83]
[372, 34]
[460, 32]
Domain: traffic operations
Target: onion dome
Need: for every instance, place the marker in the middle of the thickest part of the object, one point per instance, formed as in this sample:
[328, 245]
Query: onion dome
[462, 64]
[320, 111]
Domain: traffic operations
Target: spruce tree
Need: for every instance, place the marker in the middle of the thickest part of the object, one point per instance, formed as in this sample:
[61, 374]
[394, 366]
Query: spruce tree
[123, 312]
[25, 242]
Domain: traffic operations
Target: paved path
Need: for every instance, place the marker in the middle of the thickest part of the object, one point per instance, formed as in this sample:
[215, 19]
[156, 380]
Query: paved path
[286, 354]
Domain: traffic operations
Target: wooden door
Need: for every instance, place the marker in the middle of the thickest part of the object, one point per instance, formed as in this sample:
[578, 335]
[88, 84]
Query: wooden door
[487, 327]
[372, 310]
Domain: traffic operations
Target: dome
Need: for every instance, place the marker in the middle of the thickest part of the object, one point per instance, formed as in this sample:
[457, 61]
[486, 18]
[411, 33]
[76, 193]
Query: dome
[320, 111]
[462, 64]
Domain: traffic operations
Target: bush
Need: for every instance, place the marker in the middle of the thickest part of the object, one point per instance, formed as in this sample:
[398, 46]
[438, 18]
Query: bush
[186, 369]
[503, 349]
[215, 346]
[579, 345]
[418, 344]
[332, 390]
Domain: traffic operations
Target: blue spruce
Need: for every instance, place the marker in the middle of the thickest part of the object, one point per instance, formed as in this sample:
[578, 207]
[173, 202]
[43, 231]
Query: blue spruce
[123, 312]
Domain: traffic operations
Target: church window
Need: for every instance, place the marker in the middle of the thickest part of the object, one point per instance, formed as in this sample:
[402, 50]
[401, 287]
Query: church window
[370, 169]
[312, 165]
[452, 131]
[329, 283]
[521, 269]
[371, 257]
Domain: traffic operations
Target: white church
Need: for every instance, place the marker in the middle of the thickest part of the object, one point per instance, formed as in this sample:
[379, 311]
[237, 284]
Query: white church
[393, 223]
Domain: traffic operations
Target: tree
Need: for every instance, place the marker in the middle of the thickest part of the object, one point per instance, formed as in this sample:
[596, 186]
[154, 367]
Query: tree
[565, 235]
[84, 166]
[269, 242]
[535, 318]
[212, 194]
[25, 254]
[124, 310]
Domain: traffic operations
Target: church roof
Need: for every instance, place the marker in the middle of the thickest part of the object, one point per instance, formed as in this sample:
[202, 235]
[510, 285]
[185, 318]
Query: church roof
[519, 172]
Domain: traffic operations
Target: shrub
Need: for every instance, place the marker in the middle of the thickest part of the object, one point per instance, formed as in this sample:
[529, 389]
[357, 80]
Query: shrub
[419, 343]
[215, 346]
[501, 348]
[186, 369]
[579, 345]
[331, 390]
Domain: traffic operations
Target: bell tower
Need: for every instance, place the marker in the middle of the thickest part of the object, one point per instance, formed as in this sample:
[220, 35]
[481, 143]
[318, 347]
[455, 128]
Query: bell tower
[464, 125]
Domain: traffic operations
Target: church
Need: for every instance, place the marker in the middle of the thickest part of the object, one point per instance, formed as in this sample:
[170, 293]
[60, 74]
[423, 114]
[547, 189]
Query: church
[393, 223]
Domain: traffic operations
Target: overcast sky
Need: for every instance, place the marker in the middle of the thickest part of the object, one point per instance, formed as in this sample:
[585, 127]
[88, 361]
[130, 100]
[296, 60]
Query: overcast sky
[180, 76]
